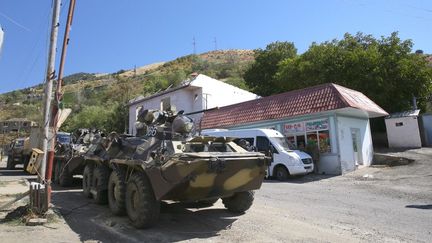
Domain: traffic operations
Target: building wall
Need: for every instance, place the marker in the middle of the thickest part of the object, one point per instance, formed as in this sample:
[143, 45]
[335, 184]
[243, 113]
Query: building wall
[403, 132]
[426, 129]
[216, 93]
[203, 93]
[345, 139]
[182, 99]
[15, 126]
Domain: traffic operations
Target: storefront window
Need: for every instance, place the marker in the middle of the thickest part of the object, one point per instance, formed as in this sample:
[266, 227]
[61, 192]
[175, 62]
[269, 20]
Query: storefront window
[309, 133]
[324, 141]
[312, 138]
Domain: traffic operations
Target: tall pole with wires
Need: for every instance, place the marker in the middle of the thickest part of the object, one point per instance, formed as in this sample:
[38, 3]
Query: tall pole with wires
[50, 76]
[58, 99]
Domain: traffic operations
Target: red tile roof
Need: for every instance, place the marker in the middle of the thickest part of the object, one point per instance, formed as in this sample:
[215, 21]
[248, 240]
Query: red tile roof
[311, 100]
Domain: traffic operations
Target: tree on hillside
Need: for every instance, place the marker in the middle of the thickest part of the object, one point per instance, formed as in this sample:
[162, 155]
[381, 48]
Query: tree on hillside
[260, 75]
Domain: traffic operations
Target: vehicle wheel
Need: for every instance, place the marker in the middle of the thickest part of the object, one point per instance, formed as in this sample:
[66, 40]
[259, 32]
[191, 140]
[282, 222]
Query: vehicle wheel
[239, 202]
[57, 168]
[117, 192]
[281, 173]
[206, 203]
[141, 205]
[100, 184]
[65, 178]
[10, 163]
[26, 162]
[87, 180]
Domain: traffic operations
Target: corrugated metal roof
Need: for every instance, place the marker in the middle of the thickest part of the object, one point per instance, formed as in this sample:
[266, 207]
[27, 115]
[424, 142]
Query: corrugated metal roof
[311, 100]
[404, 114]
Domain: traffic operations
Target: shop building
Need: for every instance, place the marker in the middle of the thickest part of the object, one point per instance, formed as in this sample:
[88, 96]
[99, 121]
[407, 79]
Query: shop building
[330, 118]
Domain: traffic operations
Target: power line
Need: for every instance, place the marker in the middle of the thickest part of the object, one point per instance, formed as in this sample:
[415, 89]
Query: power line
[15, 22]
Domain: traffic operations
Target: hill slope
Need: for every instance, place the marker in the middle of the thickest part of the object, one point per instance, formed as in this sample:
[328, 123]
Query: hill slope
[111, 91]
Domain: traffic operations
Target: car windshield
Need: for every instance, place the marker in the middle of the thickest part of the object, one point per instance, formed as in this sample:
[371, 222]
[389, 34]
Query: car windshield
[63, 138]
[284, 143]
[19, 143]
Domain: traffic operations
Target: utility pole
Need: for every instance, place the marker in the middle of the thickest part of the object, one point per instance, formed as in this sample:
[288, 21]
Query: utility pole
[59, 96]
[194, 46]
[50, 76]
[215, 44]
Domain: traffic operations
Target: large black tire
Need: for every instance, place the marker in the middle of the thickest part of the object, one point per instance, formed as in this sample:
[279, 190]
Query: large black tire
[100, 184]
[87, 180]
[281, 173]
[26, 162]
[117, 192]
[65, 178]
[141, 205]
[239, 202]
[201, 203]
[10, 163]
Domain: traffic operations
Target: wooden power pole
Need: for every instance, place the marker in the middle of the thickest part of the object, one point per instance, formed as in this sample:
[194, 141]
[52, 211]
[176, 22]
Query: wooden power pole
[58, 99]
[50, 76]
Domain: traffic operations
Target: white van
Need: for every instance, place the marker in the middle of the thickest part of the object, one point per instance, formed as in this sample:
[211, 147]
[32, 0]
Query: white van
[285, 160]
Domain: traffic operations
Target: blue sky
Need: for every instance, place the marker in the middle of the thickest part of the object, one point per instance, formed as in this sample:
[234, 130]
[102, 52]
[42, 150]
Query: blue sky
[111, 35]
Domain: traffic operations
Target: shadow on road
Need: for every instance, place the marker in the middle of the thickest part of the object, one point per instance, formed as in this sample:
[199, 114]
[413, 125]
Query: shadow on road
[426, 206]
[176, 223]
[302, 179]
[16, 173]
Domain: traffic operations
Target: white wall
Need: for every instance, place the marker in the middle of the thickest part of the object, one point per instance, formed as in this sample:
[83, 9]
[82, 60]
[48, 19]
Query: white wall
[344, 125]
[203, 92]
[218, 93]
[405, 136]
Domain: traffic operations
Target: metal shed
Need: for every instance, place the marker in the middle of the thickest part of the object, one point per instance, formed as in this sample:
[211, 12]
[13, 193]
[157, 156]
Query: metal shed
[403, 129]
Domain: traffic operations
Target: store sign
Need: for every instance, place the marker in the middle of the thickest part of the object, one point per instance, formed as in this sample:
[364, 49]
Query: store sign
[293, 127]
[317, 125]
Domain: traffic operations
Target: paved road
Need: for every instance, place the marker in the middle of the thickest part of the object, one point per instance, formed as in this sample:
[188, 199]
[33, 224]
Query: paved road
[390, 204]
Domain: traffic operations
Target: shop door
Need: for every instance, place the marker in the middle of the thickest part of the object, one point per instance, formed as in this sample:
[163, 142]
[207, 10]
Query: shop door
[356, 143]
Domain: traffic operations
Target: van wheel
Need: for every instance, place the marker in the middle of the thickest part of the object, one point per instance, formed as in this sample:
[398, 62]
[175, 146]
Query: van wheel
[281, 173]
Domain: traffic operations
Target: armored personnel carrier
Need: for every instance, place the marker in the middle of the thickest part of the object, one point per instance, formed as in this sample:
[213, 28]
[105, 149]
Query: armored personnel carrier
[134, 174]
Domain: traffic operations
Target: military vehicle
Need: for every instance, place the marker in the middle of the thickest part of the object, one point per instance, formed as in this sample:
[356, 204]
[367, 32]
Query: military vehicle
[69, 154]
[18, 153]
[164, 162]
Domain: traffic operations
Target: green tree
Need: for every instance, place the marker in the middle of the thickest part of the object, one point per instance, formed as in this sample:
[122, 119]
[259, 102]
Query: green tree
[384, 69]
[260, 75]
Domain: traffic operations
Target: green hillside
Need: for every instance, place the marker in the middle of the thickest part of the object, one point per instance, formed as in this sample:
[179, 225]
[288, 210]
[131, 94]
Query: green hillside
[98, 100]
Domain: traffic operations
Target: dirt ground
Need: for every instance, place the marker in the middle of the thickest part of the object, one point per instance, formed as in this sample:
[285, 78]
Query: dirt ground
[373, 204]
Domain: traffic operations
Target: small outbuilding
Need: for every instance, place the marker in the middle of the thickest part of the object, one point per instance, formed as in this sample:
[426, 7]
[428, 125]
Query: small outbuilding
[403, 129]
[333, 118]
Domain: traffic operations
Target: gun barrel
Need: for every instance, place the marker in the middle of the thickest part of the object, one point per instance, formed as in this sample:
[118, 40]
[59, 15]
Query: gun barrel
[201, 111]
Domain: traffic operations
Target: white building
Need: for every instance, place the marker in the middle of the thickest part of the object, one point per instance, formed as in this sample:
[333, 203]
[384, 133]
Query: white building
[329, 116]
[403, 130]
[197, 94]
